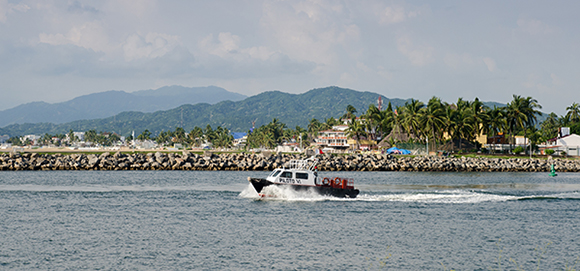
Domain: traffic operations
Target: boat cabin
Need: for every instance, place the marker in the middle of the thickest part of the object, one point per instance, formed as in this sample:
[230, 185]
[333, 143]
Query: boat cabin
[293, 176]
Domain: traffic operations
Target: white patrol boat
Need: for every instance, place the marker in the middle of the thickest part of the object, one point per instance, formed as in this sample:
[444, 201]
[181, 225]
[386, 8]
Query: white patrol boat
[303, 175]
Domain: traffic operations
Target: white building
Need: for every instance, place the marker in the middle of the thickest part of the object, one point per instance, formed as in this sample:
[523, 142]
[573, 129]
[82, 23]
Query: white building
[335, 138]
[33, 138]
[145, 144]
[568, 143]
[80, 135]
[240, 143]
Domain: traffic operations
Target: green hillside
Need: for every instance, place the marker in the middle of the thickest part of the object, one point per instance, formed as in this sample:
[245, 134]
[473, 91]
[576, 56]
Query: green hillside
[291, 109]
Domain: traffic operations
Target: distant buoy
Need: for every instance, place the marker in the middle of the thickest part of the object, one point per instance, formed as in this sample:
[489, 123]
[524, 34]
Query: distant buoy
[552, 171]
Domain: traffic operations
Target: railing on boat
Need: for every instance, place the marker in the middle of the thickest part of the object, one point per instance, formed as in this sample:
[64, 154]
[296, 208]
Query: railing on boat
[306, 164]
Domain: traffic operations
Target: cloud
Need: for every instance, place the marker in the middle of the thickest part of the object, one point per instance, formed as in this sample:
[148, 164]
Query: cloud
[395, 14]
[224, 55]
[90, 35]
[534, 27]
[131, 9]
[228, 46]
[551, 84]
[225, 45]
[6, 8]
[391, 15]
[77, 7]
[309, 30]
[418, 55]
[152, 45]
[490, 63]
[458, 61]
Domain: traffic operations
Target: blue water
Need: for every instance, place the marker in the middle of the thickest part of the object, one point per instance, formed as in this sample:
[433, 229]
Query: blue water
[175, 220]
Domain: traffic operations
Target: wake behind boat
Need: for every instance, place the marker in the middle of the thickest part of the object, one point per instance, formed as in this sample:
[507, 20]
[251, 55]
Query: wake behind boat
[303, 175]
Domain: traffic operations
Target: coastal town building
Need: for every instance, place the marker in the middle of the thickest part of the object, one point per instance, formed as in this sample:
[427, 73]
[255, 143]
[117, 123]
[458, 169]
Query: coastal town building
[288, 147]
[336, 139]
[81, 135]
[568, 145]
[145, 144]
[33, 139]
[333, 139]
[240, 140]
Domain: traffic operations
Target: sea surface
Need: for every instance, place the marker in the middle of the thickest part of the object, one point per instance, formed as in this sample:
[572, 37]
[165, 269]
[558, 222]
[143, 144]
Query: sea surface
[180, 220]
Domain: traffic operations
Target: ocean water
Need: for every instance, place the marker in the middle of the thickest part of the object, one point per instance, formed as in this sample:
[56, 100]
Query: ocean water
[177, 220]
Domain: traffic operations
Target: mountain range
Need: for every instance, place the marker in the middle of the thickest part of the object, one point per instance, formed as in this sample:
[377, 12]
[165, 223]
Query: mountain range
[237, 116]
[110, 103]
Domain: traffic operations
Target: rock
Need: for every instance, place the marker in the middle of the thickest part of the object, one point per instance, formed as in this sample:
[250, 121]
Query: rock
[269, 161]
[93, 161]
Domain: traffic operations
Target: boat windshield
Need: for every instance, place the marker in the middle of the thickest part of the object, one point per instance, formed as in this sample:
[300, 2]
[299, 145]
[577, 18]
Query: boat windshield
[275, 173]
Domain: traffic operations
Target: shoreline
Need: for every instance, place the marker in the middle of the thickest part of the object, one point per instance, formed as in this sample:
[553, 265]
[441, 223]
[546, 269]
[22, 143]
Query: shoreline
[266, 162]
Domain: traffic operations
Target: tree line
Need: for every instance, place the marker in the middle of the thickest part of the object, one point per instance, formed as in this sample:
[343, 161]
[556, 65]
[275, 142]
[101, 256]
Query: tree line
[220, 137]
[435, 122]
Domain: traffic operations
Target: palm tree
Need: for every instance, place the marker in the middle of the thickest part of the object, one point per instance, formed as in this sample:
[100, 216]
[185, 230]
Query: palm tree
[162, 137]
[372, 120]
[411, 114]
[329, 122]
[72, 137]
[397, 121]
[179, 135]
[209, 134]
[195, 136]
[386, 122]
[464, 121]
[355, 130]
[521, 114]
[432, 119]
[267, 140]
[480, 116]
[530, 110]
[564, 121]
[497, 122]
[314, 127]
[573, 112]
[550, 126]
[223, 138]
[144, 135]
[46, 139]
[350, 112]
[535, 137]
[276, 127]
[516, 115]
[302, 135]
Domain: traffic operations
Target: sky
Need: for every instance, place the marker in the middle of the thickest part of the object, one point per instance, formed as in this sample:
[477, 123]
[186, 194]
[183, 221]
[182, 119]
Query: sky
[53, 51]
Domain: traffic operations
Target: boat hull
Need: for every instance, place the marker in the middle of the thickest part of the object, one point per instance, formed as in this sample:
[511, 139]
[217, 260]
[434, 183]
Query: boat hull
[259, 184]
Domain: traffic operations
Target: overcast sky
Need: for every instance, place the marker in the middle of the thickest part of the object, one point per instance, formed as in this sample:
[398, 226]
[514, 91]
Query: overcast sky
[56, 50]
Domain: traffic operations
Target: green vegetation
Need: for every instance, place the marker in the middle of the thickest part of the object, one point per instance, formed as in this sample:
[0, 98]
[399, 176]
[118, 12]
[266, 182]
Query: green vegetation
[438, 123]
[518, 150]
[292, 109]
[274, 133]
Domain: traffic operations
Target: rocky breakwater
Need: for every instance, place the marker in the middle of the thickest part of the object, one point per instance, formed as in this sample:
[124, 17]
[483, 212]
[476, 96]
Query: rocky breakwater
[434, 163]
[267, 161]
[142, 161]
